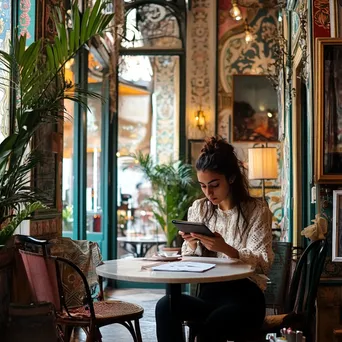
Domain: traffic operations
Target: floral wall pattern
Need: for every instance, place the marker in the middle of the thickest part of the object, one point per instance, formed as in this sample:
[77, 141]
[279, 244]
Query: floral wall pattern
[5, 36]
[236, 57]
[166, 90]
[201, 64]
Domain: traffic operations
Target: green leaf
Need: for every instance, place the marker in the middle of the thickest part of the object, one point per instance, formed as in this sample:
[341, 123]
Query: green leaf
[71, 41]
[84, 23]
[92, 17]
[51, 59]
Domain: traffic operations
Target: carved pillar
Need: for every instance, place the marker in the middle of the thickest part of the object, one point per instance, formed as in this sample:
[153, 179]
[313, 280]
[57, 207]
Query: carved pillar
[49, 141]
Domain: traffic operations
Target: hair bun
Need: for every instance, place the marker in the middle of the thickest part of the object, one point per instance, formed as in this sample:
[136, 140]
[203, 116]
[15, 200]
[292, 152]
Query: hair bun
[216, 144]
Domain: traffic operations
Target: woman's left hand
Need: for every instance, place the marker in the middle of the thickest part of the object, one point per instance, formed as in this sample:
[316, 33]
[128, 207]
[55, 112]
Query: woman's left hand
[216, 244]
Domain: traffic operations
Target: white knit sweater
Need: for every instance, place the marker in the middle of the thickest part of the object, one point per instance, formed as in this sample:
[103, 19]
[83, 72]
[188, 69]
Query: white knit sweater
[255, 247]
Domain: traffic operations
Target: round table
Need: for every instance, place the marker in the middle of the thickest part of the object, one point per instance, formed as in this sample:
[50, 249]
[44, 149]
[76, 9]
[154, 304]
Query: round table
[139, 270]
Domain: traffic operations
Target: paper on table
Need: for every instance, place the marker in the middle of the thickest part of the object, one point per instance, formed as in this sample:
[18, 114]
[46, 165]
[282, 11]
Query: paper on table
[184, 267]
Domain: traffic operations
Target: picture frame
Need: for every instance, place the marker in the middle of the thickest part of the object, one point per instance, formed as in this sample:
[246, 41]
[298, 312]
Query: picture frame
[328, 129]
[255, 109]
[194, 149]
[337, 226]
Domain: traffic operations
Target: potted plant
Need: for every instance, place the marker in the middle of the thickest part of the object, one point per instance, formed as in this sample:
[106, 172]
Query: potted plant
[173, 191]
[36, 75]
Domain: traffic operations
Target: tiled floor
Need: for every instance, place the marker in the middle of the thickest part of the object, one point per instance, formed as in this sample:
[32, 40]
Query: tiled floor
[147, 298]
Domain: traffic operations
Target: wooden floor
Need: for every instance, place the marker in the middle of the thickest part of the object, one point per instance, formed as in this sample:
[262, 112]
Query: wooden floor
[147, 298]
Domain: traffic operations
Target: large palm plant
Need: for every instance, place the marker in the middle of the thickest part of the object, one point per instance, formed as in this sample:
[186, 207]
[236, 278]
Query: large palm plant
[174, 190]
[36, 73]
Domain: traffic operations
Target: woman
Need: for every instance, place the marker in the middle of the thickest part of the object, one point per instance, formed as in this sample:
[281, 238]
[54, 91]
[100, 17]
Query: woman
[242, 226]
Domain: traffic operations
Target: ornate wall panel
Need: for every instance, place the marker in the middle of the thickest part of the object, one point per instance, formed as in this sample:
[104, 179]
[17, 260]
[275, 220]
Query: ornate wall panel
[166, 71]
[201, 62]
[321, 18]
[26, 15]
[5, 36]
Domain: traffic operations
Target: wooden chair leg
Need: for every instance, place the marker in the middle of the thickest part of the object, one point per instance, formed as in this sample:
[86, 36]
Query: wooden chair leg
[67, 332]
[137, 330]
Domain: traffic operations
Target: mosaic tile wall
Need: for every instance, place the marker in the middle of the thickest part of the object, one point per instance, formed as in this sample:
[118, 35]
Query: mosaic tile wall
[5, 36]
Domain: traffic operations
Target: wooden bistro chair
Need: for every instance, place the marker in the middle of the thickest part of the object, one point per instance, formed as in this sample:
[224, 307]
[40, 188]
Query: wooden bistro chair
[299, 306]
[301, 299]
[44, 276]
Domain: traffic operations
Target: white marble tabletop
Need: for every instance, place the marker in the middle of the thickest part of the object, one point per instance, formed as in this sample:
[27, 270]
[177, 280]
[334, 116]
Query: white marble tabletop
[139, 270]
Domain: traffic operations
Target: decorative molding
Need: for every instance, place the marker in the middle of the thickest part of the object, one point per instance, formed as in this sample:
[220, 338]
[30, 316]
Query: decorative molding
[167, 94]
[321, 18]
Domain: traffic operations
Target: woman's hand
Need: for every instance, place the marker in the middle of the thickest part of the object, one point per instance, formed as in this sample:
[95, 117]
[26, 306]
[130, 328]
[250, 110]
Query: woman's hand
[189, 239]
[216, 244]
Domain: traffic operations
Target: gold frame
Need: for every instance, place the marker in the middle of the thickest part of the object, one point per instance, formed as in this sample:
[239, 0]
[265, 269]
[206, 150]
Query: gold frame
[320, 176]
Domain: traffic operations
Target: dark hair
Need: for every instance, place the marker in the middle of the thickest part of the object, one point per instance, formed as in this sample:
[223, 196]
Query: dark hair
[218, 155]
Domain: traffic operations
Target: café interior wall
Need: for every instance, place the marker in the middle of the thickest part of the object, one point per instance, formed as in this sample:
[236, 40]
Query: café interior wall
[236, 57]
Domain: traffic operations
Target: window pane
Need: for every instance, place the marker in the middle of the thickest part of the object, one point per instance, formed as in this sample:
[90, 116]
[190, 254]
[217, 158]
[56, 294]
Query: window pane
[93, 192]
[148, 123]
[68, 153]
[150, 26]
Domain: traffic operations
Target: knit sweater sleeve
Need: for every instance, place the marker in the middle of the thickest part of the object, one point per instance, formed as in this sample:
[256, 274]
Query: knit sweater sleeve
[258, 251]
[194, 215]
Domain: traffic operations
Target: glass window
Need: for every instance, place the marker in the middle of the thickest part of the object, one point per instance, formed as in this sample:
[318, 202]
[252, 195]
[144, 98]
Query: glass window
[68, 152]
[151, 26]
[93, 191]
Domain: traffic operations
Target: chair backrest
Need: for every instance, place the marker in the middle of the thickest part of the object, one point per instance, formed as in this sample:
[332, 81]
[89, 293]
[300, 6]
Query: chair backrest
[42, 276]
[28, 243]
[87, 256]
[305, 280]
[279, 276]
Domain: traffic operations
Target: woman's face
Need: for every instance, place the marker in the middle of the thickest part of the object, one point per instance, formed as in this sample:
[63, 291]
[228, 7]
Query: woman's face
[214, 186]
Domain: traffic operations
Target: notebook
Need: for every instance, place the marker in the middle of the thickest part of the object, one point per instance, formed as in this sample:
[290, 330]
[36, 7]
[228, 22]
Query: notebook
[187, 266]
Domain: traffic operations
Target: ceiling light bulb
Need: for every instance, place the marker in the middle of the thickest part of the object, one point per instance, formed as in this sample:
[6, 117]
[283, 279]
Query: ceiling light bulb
[235, 11]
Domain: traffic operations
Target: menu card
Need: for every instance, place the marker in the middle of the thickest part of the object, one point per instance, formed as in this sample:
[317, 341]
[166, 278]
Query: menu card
[186, 266]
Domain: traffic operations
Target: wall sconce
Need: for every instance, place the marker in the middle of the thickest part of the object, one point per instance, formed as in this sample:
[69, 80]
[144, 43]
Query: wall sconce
[235, 11]
[248, 35]
[200, 119]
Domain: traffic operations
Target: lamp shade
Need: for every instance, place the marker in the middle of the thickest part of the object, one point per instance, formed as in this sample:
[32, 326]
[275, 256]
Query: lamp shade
[262, 163]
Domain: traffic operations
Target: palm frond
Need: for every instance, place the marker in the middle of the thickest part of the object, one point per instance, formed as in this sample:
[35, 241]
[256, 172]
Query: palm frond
[36, 73]
[174, 189]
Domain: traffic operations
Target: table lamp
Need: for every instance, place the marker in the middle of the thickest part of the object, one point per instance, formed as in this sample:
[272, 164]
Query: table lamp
[262, 164]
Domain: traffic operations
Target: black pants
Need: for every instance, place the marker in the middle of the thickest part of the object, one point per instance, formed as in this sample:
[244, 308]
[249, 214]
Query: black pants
[223, 311]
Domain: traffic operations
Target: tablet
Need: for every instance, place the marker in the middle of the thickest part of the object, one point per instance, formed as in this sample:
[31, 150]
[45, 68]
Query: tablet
[193, 227]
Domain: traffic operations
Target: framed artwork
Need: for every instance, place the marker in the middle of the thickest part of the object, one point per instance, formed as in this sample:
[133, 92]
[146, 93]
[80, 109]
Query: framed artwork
[255, 109]
[194, 149]
[337, 226]
[328, 106]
